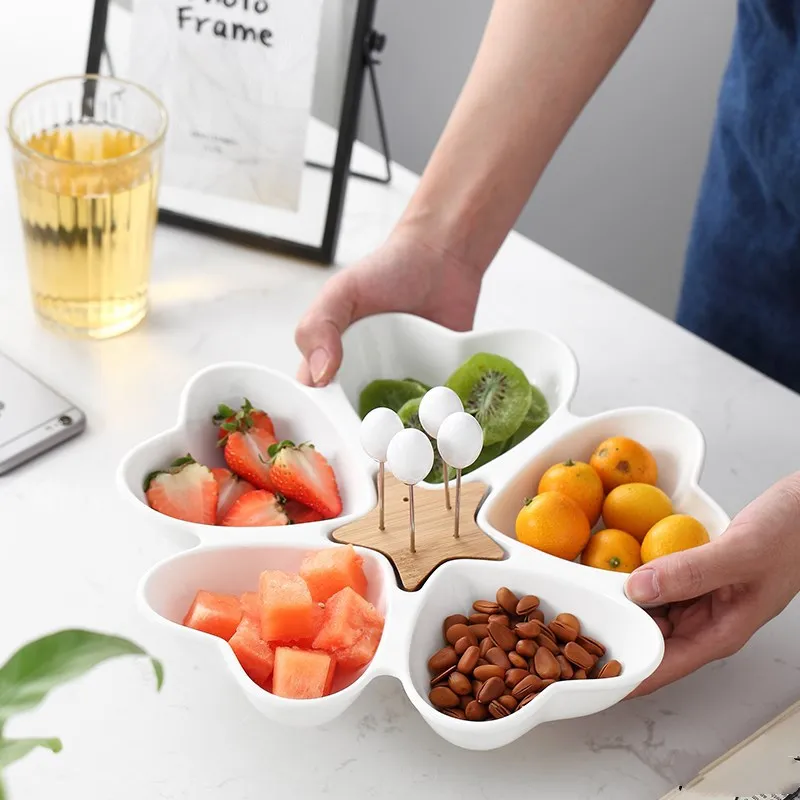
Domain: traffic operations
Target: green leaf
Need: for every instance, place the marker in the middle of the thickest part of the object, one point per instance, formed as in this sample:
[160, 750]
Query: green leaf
[44, 664]
[151, 477]
[274, 449]
[12, 750]
[225, 411]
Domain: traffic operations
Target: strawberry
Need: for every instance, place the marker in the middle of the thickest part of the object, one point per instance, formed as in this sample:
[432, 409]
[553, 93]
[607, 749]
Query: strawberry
[246, 436]
[255, 510]
[231, 488]
[298, 513]
[187, 491]
[303, 474]
[246, 419]
[247, 454]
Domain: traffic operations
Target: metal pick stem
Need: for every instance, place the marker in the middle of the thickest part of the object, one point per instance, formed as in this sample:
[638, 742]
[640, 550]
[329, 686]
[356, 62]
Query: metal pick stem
[458, 503]
[446, 486]
[381, 495]
[411, 524]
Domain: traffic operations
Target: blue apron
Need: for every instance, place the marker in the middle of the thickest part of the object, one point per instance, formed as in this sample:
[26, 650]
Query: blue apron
[741, 288]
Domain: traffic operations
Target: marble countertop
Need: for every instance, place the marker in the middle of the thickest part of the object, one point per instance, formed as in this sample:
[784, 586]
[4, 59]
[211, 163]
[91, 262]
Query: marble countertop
[72, 554]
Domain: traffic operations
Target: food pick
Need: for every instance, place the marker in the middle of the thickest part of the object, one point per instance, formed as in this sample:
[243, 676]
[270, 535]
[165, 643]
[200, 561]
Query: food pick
[460, 443]
[434, 408]
[378, 428]
[410, 458]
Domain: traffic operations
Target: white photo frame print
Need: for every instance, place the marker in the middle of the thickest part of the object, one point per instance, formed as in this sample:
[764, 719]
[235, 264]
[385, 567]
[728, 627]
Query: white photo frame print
[305, 222]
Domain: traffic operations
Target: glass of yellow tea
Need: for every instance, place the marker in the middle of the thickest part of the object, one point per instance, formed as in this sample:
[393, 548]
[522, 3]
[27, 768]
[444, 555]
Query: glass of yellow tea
[87, 158]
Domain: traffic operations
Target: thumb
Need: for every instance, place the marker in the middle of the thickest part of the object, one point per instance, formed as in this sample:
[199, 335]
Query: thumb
[319, 333]
[684, 575]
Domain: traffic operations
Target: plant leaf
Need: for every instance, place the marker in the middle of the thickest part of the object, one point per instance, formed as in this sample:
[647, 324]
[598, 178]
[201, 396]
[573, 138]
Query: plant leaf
[12, 750]
[44, 664]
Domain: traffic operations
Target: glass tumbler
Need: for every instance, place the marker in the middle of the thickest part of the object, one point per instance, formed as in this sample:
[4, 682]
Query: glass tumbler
[87, 160]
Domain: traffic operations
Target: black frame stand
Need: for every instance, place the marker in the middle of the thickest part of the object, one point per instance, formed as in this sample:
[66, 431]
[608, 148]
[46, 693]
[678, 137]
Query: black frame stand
[375, 44]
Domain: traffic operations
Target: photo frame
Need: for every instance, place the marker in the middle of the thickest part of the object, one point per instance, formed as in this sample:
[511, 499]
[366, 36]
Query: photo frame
[312, 232]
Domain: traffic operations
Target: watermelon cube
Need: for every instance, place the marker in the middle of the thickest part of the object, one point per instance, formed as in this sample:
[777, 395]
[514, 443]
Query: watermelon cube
[254, 654]
[214, 613]
[351, 629]
[288, 612]
[251, 607]
[327, 571]
[302, 674]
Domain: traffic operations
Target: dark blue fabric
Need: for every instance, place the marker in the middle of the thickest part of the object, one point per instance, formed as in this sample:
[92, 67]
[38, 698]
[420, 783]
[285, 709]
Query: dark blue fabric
[741, 287]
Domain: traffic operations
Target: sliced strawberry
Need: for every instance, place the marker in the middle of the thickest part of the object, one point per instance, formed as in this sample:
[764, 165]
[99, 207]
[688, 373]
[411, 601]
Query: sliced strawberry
[247, 454]
[187, 491]
[244, 420]
[298, 513]
[231, 488]
[301, 473]
[256, 510]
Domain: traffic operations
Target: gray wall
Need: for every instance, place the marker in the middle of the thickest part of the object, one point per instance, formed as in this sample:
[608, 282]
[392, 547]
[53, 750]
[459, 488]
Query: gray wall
[618, 198]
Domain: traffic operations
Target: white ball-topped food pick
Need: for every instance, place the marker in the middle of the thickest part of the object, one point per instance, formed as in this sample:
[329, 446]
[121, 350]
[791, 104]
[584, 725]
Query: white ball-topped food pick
[378, 428]
[460, 443]
[410, 458]
[434, 408]
[460, 440]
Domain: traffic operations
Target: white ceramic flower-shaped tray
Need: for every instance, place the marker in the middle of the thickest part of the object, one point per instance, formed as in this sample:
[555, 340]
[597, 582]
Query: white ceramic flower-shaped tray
[395, 346]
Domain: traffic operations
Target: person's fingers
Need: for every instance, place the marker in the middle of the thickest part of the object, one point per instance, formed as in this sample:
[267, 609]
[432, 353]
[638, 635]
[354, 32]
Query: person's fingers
[304, 374]
[681, 657]
[683, 654]
[660, 615]
[664, 625]
[319, 334]
[687, 574]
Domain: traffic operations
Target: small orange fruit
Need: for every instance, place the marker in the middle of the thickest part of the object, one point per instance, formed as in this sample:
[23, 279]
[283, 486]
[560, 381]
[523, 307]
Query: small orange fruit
[579, 482]
[612, 550]
[672, 534]
[621, 460]
[635, 508]
[553, 523]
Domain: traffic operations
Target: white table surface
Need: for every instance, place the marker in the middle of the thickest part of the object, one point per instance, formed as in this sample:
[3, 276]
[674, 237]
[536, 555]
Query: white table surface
[72, 554]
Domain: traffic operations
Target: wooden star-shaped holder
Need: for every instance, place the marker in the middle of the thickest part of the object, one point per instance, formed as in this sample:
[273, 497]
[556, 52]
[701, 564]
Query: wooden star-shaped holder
[435, 542]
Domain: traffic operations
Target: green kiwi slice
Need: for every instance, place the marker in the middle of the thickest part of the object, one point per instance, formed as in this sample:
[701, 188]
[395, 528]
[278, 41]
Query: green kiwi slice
[409, 414]
[495, 391]
[386, 393]
[538, 413]
[423, 387]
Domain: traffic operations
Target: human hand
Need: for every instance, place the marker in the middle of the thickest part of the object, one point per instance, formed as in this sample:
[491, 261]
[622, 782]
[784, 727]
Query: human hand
[713, 598]
[404, 275]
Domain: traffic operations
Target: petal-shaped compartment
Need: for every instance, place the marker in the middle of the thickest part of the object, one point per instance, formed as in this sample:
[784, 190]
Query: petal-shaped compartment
[402, 346]
[299, 414]
[167, 591]
[628, 633]
[675, 441]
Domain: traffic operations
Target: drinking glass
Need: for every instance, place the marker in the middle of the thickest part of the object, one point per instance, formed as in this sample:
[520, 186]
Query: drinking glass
[87, 160]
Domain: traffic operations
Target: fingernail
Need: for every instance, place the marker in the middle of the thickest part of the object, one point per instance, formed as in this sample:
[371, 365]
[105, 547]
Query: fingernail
[642, 586]
[318, 364]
